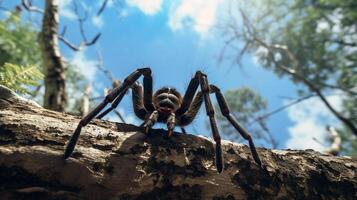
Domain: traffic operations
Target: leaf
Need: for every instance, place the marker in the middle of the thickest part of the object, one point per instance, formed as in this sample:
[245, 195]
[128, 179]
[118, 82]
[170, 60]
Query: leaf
[18, 77]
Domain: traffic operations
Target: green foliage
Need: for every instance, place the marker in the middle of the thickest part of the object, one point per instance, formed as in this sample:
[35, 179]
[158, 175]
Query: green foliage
[322, 36]
[18, 42]
[20, 56]
[17, 77]
[245, 105]
[19, 46]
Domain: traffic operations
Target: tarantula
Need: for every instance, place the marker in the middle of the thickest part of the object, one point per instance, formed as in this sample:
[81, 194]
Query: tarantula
[167, 106]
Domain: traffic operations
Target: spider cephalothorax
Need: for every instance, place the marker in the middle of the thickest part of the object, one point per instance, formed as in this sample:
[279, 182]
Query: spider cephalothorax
[167, 106]
[166, 101]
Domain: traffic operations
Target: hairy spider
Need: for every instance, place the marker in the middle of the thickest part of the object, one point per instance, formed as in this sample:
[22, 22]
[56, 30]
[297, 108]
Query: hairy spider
[167, 106]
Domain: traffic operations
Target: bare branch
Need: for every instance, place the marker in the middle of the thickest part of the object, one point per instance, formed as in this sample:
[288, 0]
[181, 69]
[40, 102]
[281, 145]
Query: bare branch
[64, 30]
[109, 75]
[69, 44]
[100, 66]
[29, 7]
[81, 45]
[265, 116]
[81, 20]
[102, 7]
[271, 139]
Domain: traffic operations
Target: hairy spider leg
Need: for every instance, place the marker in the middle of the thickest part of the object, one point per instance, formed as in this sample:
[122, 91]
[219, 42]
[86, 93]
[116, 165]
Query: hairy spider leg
[189, 94]
[115, 93]
[225, 112]
[191, 103]
[210, 113]
[137, 97]
[192, 111]
[151, 121]
[171, 122]
[137, 100]
[190, 106]
[113, 105]
[148, 93]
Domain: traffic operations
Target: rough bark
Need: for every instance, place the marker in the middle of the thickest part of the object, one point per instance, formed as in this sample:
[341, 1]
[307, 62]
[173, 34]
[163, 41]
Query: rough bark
[117, 161]
[55, 69]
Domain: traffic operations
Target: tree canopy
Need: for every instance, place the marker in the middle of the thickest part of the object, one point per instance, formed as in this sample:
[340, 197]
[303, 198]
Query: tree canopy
[312, 42]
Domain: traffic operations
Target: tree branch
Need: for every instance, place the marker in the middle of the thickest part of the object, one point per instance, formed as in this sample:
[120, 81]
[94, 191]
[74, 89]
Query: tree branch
[272, 48]
[267, 115]
[29, 7]
[118, 161]
[102, 7]
[81, 20]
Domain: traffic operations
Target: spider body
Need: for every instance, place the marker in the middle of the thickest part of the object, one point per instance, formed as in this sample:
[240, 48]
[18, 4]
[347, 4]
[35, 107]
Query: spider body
[166, 101]
[167, 105]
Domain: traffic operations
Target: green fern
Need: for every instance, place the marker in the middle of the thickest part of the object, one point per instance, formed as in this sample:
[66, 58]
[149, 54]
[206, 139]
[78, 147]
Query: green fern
[18, 77]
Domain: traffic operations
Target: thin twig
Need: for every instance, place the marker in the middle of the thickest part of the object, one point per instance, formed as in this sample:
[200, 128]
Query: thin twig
[265, 116]
[102, 7]
[109, 75]
[29, 7]
[81, 21]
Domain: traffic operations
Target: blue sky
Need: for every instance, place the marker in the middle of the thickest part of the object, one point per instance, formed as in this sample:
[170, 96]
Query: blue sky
[177, 38]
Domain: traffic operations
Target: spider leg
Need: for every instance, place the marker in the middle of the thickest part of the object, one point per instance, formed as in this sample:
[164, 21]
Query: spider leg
[183, 130]
[189, 94]
[113, 105]
[149, 106]
[171, 122]
[113, 95]
[137, 99]
[151, 121]
[225, 112]
[192, 111]
[210, 113]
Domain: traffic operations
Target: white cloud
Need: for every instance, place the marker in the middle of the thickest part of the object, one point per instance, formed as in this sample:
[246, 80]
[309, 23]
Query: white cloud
[65, 10]
[310, 119]
[98, 21]
[84, 65]
[200, 15]
[149, 7]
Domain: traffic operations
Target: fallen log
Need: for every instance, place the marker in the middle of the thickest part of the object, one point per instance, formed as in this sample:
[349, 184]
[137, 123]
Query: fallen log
[118, 161]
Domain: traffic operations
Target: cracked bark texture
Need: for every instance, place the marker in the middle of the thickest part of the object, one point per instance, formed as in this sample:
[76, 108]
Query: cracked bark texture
[117, 161]
[55, 69]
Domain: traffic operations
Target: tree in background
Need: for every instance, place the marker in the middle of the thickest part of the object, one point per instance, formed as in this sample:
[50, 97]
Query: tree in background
[246, 106]
[311, 42]
[55, 68]
[55, 97]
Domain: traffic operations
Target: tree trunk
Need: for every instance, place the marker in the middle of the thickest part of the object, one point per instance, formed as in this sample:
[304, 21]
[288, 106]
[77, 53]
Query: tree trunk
[118, 161]
[55, 69]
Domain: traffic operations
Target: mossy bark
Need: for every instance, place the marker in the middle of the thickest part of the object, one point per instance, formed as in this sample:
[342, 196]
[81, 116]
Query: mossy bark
[118, 161]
